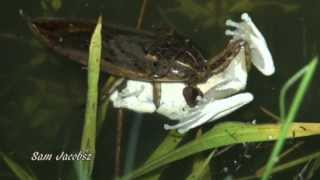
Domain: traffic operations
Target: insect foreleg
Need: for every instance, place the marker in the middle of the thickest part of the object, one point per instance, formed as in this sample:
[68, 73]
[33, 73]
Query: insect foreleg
[110, 88]
[156, 94]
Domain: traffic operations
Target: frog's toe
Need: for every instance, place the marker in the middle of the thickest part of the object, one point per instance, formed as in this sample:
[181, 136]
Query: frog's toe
[245, 17]
[236, 35]
[228, 32]
[243, 30]
[180, 125]
[231, 23]
[187, 122]
[232, 103]
[196, 121]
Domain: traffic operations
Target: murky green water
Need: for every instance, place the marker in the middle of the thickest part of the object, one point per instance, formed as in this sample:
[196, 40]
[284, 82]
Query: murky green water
[42, 94]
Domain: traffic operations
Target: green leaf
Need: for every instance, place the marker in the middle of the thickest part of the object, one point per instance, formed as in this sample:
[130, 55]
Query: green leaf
[286, 87]
[168, 144]
[296, 162]
[227, 134]
[288, 119]
[314, 167]
[88, 140]
[201, 169]
[103, 108]
[17, 169]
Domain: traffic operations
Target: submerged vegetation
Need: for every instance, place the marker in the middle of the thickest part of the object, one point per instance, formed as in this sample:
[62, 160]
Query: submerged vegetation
[206, 151]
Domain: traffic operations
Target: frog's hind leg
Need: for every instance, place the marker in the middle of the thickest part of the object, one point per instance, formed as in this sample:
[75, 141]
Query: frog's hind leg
[156, 94]
[212, 109]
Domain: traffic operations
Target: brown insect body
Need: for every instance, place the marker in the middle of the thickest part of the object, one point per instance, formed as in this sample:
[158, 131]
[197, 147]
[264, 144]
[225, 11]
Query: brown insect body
[135, 55]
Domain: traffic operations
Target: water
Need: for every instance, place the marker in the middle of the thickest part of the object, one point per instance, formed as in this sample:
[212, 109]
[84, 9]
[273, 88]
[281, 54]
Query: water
[42, 94]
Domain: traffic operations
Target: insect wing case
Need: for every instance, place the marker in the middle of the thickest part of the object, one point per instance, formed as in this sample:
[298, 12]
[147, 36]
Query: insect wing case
[137, 55]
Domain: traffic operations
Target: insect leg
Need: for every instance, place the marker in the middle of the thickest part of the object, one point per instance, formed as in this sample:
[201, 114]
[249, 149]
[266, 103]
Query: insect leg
[156, 94]
[110, 88]
[221, 61]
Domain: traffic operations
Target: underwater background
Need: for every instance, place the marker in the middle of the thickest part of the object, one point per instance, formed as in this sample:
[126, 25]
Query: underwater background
[43, 95]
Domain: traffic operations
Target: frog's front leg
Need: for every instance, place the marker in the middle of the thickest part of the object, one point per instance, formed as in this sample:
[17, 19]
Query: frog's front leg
[209, 110]
[259, 51]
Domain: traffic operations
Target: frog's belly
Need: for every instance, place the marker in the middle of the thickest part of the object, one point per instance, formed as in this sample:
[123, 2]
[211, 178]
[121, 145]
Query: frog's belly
[172, 102]
[138, 96]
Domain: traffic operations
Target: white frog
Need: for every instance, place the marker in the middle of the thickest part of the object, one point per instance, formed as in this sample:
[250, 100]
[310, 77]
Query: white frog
[220, 98]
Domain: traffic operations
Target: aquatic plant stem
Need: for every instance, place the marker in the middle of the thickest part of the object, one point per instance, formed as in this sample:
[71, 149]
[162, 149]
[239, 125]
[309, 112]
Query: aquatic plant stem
[19, 171]
[133, 138]
[286, 88]
[141, 15]
[271, 114]
[119, 133]
[287, 122]
[260, 171]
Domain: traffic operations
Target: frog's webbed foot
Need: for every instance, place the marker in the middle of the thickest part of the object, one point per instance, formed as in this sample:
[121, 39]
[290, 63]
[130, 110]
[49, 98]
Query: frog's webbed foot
[210, 110]
[259, 52]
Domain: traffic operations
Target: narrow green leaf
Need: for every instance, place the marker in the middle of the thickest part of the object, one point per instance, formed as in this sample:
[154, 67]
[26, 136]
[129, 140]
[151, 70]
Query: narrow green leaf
[314, 168]
[286, 87]
[285, 127]
[287, 165]
[227, 134]
[295, 162]
[201, 169]
[89, 129]
[20, 172]
[103, 108]
[168, 144]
